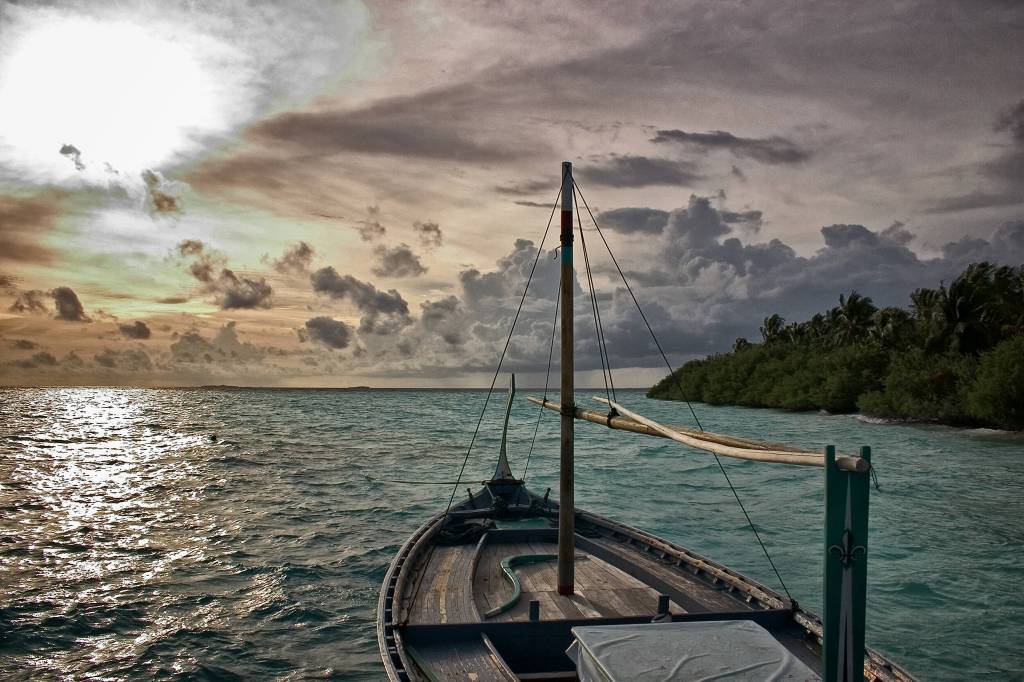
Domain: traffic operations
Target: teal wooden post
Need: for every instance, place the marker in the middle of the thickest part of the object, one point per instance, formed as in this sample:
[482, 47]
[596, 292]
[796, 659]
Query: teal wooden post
[846, 560]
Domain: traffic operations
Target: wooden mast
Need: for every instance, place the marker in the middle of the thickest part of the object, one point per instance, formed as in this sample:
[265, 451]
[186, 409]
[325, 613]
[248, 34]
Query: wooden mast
[566, 495]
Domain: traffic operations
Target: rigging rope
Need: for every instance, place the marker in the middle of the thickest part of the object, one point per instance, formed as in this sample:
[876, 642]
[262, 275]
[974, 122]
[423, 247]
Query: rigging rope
[602, 348]
[682, 393]
[407, 481]
[547, 375]
[497, 370]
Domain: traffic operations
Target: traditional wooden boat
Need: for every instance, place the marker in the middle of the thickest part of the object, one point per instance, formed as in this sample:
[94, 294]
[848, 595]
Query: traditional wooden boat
[511, 584]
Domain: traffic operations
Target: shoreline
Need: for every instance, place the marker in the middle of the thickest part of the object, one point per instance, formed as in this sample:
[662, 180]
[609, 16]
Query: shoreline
[861, 417]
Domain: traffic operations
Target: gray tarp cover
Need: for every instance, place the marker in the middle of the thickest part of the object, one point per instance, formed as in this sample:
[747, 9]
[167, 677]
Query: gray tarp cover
[700, 651]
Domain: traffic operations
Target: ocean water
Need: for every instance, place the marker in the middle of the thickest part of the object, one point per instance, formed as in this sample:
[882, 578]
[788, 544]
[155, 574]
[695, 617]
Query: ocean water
[135, 546]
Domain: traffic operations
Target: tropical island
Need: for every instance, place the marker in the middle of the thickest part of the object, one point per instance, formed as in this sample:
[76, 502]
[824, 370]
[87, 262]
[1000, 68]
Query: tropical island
[954, 356]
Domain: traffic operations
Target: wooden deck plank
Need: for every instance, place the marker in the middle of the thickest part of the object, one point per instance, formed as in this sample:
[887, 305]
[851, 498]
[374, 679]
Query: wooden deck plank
[602, 590]
[462, 576]
[710, 598]
[445, 593]
[544, 581]
[484, 584]
[585, 606]
[461, 660]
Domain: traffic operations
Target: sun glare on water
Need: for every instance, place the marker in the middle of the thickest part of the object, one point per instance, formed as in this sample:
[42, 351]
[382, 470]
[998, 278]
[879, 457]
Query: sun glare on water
[123, 97]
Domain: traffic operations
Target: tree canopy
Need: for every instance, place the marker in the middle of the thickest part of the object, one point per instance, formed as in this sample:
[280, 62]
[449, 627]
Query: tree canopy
[954, 355]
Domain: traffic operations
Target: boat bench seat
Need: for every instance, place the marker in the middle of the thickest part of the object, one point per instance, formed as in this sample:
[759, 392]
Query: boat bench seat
[464, 658]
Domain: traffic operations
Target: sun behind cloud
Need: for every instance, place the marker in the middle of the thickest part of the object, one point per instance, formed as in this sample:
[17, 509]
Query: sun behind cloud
[111, 94]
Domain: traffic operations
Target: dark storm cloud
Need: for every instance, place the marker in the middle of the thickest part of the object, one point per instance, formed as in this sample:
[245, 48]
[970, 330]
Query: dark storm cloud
[72, 152]
[698, 225]
[190, 247]
[242, 292]
[891, 60]
[639, 171]
[329, 332]
[31, 301]
[131, 360]
[532, 204]
[631, 220]
[700, 286]
[840, 236]
[975, 200]
[383, 312]
[751, 219]
[1007, 170]
[1009, 167]
[295, 260]
[709, 287]
[529, 187]
[1006, 245]
[159, 198]
[898, 234]
[256, 170]
[461, 333]
[491, 291]
[230, 291]
[135, 330]
[67, 305]
[430, 125]
[23, 219]
[1012, 120]
[44, 359]
[889, 56]
[398, 261]
[429, 233]
[771, 150]
[445, 318]
[371, 229]
[192, 348]
[38, 361]
[72, 361]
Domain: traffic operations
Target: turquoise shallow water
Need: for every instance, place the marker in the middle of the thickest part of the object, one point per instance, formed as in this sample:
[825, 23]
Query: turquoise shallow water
[131, 546]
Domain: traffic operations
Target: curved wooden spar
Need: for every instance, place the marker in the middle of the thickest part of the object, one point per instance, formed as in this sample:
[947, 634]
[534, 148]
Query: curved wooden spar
[621, 423]
[727, 446]
[803, 457]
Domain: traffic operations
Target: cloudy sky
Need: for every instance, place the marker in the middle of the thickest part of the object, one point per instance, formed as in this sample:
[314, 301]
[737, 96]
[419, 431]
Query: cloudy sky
[353, 193]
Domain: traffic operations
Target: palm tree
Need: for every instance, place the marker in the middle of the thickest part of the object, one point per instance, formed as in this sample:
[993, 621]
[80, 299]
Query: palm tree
[771, 328]
[929, 307]
[981, 306]
[966, 301]
[1004, 311]
[818, 328]
[853, 317]
[926, 302]
[889, 327]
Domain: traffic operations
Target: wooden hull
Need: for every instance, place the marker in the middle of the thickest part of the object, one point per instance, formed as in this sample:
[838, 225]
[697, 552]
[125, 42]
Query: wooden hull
[432, 622]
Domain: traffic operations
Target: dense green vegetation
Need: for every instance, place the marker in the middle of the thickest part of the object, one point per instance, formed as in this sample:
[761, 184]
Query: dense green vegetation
[955, 356]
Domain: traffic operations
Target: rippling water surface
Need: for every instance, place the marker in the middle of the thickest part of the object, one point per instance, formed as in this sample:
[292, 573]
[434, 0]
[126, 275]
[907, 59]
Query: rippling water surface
[134, 545]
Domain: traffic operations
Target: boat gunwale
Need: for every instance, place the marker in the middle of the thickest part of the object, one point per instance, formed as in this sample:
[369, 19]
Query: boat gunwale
[880, 666]
[752, 588]
[391, 587]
